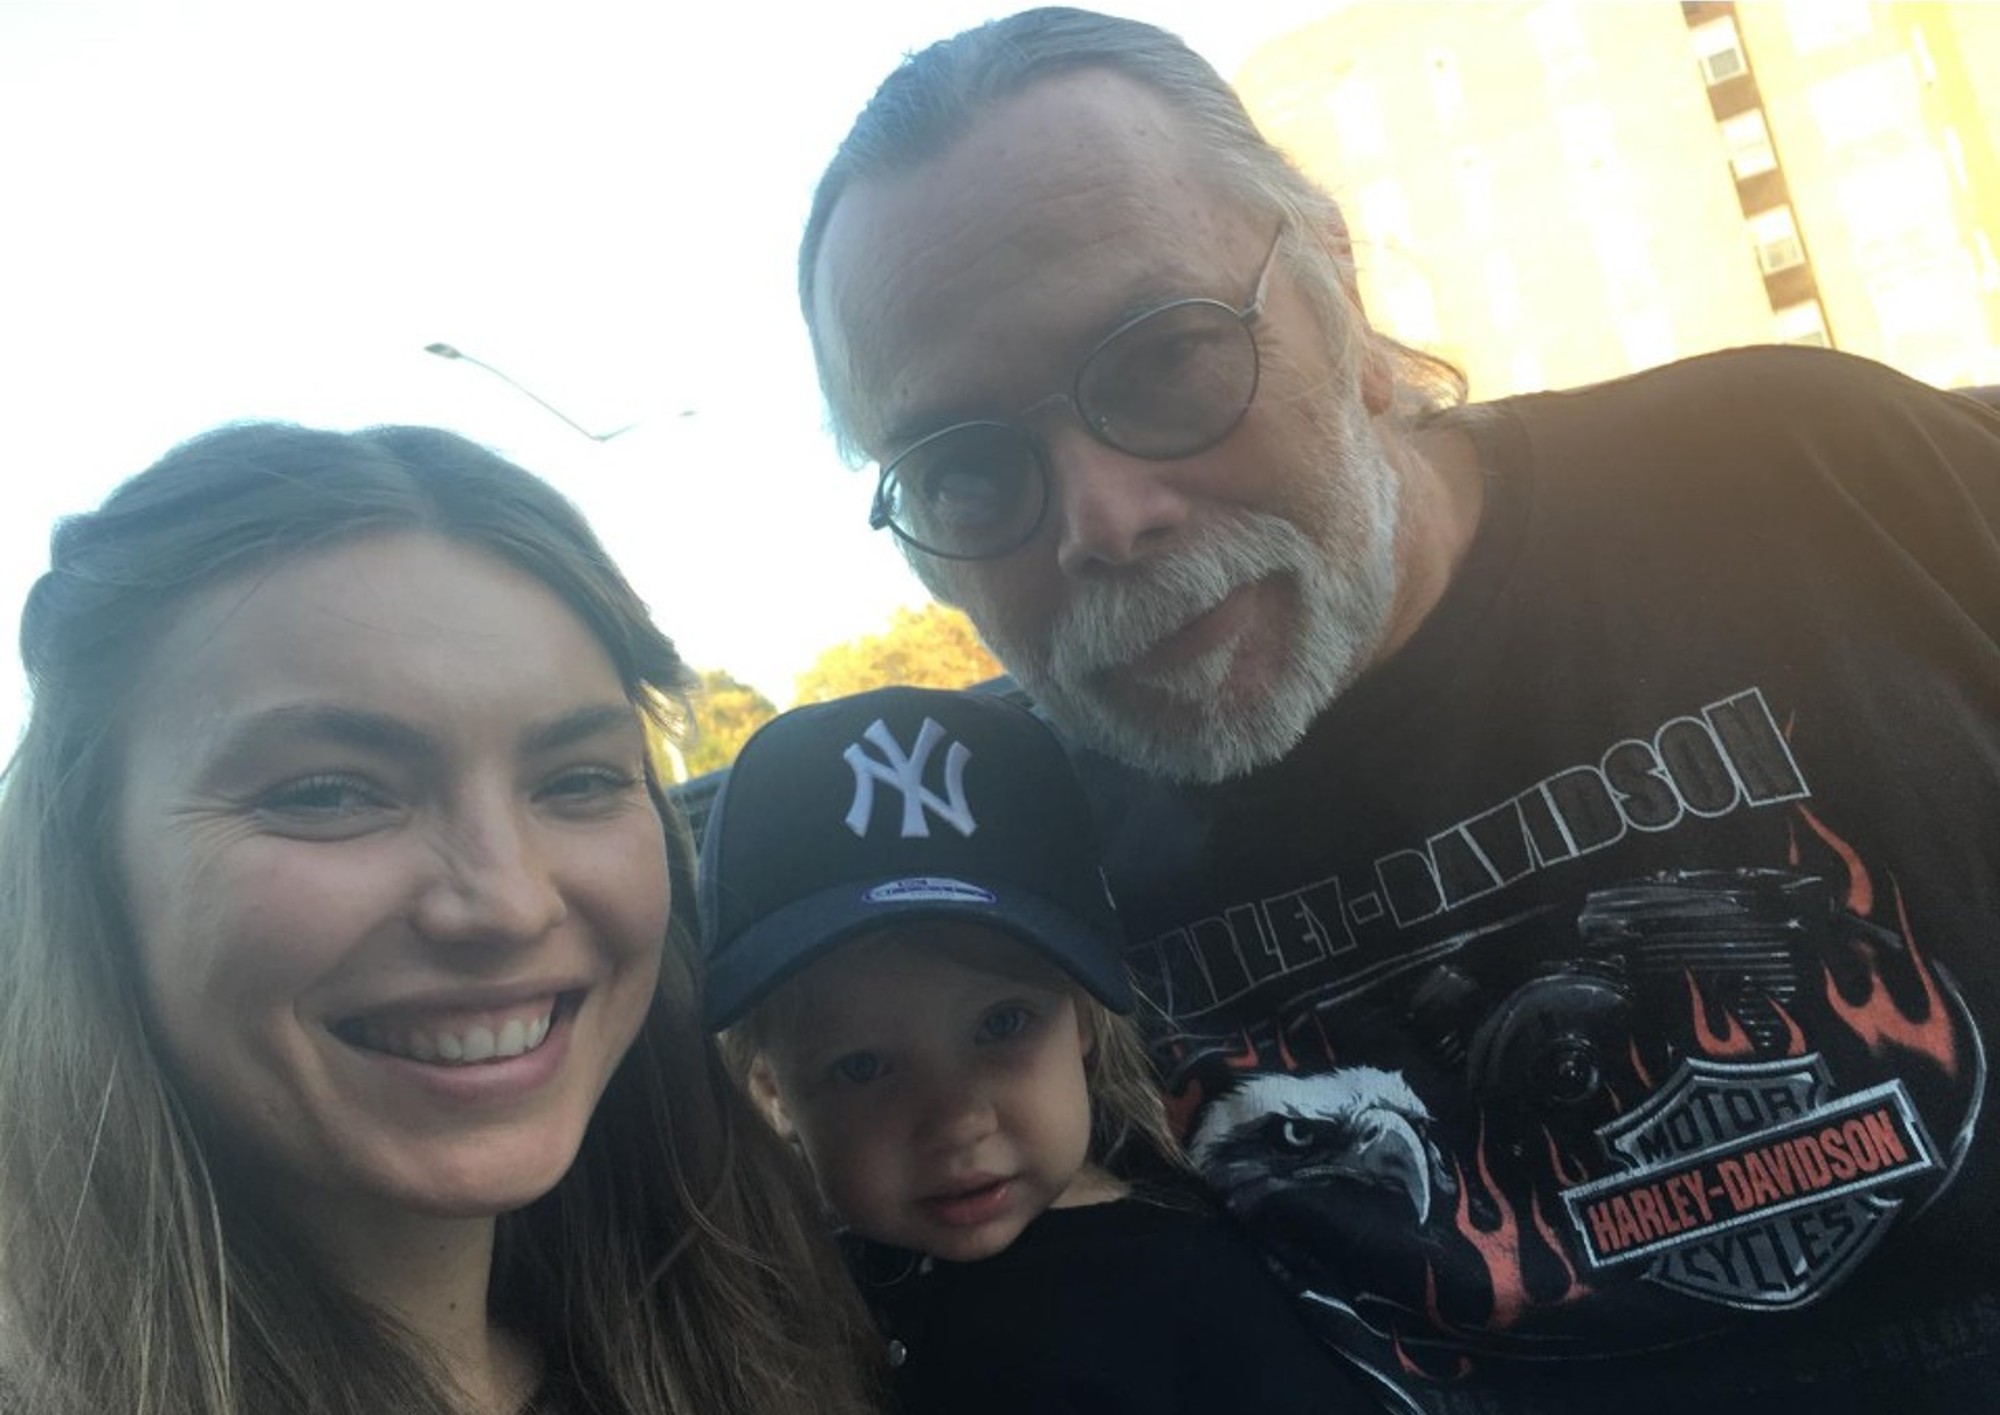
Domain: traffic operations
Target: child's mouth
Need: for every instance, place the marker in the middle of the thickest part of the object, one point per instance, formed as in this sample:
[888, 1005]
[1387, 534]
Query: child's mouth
[967, 1208]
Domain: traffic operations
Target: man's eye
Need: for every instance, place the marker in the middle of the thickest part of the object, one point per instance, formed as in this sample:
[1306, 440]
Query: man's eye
[859, 1067]
[1167, 357]
[1004, 1024]
[970, 492]
[1155, 373]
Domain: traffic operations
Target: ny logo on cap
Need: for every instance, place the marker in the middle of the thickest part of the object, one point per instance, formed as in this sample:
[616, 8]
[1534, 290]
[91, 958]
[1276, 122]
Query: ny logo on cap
[905, 771]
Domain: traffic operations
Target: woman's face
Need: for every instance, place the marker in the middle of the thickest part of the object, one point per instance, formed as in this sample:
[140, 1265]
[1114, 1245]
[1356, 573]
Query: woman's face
[399, 890]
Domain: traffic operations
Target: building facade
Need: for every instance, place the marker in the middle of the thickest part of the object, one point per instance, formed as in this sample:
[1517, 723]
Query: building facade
[1558, 192]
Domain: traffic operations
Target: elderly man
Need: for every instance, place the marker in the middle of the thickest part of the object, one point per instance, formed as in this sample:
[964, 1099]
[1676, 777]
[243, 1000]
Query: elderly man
[1561, 836]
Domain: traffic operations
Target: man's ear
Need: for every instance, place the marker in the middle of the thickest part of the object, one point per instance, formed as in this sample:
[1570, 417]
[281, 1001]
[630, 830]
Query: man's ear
[1339, 247]
[1378, 376]
[1378, 369]
[763, 1087]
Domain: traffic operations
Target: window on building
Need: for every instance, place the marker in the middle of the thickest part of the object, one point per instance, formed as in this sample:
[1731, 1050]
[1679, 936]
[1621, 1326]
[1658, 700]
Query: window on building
[1920, 51]
[1585, 131]
[1475, 191]
[1821, 24]
[1749, 142]
[1719, 50]
[1870, 104]
[1357, 119]
[1648, 337]
[1801, 324]
[1503, 291]
[1624, 253]
[1407, 304]
[1447, 92]
[1557, 28]
[1525, 372]
[1777, 238]
[1897, 210]
[1381, 213]
[1954, 154]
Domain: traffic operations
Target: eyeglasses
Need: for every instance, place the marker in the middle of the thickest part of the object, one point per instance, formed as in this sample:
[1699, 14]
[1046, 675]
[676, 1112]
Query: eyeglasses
[1165, 384]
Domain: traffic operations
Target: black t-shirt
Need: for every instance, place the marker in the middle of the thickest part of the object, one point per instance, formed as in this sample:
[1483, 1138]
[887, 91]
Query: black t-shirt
[1593, 1011]
[1108, 1309]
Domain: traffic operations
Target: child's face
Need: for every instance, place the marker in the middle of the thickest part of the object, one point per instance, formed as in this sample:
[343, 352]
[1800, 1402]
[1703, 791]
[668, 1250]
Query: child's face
[935, 1077]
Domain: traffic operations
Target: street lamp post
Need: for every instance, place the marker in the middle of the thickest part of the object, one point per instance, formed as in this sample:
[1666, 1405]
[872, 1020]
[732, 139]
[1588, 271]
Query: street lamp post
[448, 351]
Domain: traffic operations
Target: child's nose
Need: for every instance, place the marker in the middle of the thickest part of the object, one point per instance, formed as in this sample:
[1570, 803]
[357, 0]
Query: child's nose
[956, 1115]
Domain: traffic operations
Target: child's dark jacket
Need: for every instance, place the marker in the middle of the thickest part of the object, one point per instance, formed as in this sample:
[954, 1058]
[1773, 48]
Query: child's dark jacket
[1129, 1306]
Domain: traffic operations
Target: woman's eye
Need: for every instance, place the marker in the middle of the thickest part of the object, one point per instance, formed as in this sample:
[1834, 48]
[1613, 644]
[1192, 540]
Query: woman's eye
[320, 796]
[589, 785]
[859, 1067]
[1003, 1024]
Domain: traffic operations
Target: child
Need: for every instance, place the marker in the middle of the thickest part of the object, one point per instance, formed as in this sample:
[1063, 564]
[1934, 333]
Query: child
[908, 932]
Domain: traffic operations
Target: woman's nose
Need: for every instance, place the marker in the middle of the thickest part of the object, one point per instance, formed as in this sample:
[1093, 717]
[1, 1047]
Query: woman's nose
[490, 884]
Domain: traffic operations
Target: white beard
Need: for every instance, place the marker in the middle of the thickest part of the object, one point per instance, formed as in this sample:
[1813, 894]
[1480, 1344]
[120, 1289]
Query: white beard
[1199, 724]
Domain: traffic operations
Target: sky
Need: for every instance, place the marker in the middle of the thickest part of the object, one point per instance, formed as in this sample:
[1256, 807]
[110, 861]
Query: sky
[222, 209]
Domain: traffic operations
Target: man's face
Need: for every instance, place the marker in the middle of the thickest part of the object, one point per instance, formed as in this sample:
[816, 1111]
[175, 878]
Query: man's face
[1191, 616]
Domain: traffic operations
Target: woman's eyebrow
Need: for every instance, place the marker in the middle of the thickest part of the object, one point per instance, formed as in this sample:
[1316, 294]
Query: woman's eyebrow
[326, 722]
[580, 725]
[377, 732]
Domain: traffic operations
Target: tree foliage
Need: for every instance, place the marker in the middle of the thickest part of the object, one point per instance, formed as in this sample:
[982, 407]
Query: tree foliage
[932, 647]
[726, 712]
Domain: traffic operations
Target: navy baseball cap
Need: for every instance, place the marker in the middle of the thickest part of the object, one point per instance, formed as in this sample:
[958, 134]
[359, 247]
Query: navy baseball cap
[892, 807]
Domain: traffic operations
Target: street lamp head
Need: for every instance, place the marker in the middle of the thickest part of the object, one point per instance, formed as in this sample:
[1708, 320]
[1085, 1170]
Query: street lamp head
[451, 351]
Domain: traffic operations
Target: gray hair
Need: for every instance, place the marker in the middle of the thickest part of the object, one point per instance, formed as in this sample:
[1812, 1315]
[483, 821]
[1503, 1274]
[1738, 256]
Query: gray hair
[935, 97]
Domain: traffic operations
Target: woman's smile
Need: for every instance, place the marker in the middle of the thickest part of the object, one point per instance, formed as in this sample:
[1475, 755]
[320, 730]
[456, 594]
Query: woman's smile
[400, 884]
[457, 1036]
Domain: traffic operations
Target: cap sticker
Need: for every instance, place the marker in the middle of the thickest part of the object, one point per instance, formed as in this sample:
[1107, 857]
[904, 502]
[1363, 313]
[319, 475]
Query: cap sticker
[928, 889]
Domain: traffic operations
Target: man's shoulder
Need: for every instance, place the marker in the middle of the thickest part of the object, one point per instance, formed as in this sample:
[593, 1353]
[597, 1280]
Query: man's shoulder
[1778, 421]
[1775, 376]
[1741, 398]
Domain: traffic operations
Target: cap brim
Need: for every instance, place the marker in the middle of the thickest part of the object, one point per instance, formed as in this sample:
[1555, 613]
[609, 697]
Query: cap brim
[783, 943]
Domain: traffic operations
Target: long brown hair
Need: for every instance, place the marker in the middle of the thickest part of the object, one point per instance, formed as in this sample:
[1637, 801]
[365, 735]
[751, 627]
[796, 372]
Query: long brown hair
[678, 1267]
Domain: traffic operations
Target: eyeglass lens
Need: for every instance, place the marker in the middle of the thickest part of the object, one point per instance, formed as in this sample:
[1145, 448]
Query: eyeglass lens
[1170, 384]
[966, 489]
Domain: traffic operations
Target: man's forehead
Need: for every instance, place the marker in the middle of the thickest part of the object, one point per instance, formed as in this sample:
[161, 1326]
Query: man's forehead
[1065, 206]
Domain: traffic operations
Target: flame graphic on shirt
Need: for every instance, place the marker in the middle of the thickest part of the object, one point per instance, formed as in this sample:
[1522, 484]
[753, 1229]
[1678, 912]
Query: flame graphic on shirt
[1880, 1023]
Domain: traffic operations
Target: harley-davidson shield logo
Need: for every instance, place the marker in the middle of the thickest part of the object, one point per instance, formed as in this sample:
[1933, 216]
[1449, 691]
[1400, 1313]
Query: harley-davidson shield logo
[1751, 1185]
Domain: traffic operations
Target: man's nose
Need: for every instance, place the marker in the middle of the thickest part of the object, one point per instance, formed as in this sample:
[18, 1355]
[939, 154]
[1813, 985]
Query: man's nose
[1114, 509]
[490, 883]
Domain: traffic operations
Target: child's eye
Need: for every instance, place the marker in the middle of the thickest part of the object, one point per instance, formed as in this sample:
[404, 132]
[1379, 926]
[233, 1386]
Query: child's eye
[859, 1067]
[1005, 1022]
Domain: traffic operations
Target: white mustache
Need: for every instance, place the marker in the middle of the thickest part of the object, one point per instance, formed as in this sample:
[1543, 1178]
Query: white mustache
[1112, 622]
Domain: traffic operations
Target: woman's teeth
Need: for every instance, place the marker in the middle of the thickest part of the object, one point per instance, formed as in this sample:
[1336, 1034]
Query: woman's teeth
[461, 1046]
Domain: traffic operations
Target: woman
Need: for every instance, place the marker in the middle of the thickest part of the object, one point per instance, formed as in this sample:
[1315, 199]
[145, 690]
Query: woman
[349, 1059]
